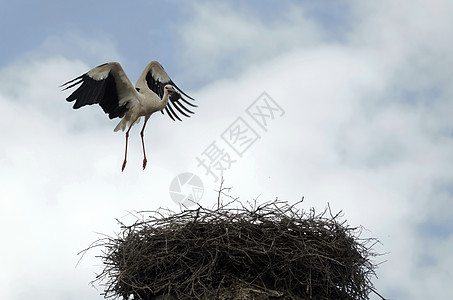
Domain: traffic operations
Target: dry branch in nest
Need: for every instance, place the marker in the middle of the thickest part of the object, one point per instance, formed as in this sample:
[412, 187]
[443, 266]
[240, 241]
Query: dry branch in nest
[271, 251]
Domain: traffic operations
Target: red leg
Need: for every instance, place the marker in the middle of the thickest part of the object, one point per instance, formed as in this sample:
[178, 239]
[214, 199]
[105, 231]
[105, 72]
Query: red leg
[142, 133]
[125, 151]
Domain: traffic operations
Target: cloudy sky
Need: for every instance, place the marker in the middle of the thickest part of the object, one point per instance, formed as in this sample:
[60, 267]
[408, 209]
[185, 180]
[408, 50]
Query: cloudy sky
[343, 102]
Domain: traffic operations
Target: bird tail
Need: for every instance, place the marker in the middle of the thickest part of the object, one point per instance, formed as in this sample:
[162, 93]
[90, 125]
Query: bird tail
[123, 124]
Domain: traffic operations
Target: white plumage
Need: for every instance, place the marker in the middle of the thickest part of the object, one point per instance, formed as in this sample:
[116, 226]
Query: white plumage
[108, 86]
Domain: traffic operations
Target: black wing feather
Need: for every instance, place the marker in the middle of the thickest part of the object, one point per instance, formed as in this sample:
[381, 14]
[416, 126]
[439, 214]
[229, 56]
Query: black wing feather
[178, 107]
[188, 103]
[168, 113]
[155, 85]
[172, 111]
[174, 84]
[103, 92]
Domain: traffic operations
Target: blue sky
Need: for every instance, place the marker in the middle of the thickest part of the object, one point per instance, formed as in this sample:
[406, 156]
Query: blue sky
[365, 91]
[142, 27]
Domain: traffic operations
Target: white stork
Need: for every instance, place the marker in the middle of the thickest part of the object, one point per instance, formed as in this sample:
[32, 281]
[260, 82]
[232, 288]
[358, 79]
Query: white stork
[108, 86]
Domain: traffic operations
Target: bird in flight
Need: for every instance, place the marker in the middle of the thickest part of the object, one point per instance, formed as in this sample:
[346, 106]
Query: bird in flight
[109, 86]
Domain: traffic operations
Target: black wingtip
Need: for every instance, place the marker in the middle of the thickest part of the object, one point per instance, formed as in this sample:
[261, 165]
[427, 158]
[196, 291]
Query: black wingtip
[188, 103]
[177, 104]
[168, 113]
[173, 112]
[173, 84]
[80, 79]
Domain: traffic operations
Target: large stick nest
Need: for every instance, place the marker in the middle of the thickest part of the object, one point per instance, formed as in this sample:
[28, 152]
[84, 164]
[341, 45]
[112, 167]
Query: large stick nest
[272, 251]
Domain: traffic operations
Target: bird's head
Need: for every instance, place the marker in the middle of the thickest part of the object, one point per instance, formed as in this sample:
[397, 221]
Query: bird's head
[172, 93]
[170, 90]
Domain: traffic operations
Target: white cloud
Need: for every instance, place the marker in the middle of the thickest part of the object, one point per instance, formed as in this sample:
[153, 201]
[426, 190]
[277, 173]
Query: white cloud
[221, 39]
[91, 49]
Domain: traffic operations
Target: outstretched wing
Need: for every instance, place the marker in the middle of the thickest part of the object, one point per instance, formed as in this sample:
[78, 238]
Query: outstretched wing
[106, 85]
[156, 79]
